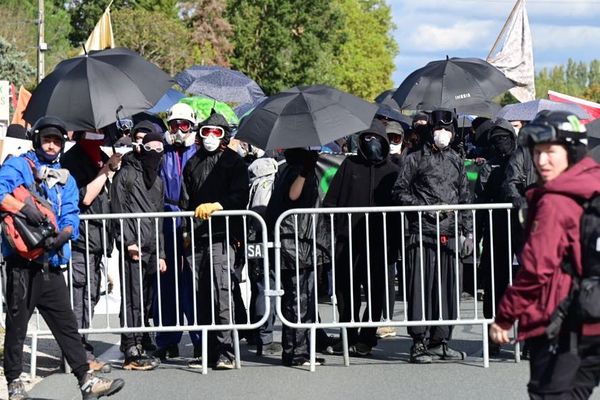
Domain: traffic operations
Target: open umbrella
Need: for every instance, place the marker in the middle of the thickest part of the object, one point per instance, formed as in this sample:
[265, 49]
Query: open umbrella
[528, 110]
[171, 97]
[462, 84]
[305, 116]
[203, 107]
[385, 97]
[219, 83]
[86, 91]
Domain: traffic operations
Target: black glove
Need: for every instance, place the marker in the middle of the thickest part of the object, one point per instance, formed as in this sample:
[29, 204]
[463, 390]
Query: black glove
[60, 239]
[467, 247]
[310, 161]
[32, 214]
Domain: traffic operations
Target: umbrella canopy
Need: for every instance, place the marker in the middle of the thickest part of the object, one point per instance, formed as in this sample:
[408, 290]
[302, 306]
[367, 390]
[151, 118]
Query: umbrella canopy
[247, 108]
[528, 110]
[171, 97]
[385, 97]
[305, 116]
[86, 91]
[204, 106]
[455, 83]
[219, 83]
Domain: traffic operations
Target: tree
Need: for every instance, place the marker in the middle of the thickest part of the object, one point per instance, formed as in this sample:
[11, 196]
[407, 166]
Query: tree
[365, 61]
[210, 30]
[167, 44]
[13, 65]
[577, 79]
[283, 43]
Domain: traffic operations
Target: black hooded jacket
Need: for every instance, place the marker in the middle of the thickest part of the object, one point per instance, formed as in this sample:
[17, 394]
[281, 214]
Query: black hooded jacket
[433, 177]
[520, 176]
[359, 183]
[130, 195]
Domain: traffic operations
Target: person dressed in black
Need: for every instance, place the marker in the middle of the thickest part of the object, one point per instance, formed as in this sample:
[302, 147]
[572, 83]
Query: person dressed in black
[434, 175]
[138, 188]
[296, 186]
[214, 179]
[91, 169]
[488, 189]
[39, 282]
[364, 180]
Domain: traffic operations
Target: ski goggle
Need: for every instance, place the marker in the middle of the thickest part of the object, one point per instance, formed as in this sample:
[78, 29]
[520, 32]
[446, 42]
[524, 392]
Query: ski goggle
[211, 130]
[125, 124]
[442, 117]
[394, 138]
[532, 134]
[180, 124]
[158, 149]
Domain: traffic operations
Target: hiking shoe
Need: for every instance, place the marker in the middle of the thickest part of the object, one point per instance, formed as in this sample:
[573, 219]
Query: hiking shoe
[16, 390]
[94, 386]
[386, 331]
[99, 366]
[136, 361]
[361, 349]
[443, 352]
[195, 363]
[272, 349]
[224, 363]
[301, 362]
[171, 351]
[419, 354]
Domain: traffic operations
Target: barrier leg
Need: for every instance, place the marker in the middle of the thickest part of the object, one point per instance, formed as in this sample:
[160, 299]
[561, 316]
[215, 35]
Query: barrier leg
[236, 348]
[345, 347]
[204, 352]
[486, 349]
[517, 346]
[313, 348]
[34, 342]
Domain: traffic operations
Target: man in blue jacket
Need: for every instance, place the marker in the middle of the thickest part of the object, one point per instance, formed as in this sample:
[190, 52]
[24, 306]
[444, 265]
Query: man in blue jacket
[39, 282]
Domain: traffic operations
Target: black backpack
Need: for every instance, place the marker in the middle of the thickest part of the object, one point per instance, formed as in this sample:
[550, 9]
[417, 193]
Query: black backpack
[586, 305]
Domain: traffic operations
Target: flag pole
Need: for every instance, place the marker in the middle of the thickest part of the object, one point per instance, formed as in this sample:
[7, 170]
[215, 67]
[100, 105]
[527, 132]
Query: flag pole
[510, 17]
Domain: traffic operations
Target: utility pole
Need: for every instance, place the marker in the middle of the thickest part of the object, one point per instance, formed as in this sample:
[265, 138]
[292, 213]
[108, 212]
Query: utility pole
[42, 46]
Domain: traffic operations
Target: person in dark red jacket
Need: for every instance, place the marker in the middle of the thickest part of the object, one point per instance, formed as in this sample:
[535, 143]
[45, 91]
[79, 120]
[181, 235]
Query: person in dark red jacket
[568, 178]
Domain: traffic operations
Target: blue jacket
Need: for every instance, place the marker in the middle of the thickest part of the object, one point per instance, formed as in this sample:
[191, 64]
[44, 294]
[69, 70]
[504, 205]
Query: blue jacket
[64, 199]
[171, 173]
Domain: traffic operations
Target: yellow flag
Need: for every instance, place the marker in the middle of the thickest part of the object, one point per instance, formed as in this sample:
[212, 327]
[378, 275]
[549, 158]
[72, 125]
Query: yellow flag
[102, 36]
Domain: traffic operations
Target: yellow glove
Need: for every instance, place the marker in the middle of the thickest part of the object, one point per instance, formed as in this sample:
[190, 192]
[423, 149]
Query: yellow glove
[204, 211]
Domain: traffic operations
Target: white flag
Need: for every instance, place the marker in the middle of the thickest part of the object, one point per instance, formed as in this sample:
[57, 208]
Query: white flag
[513, 53]
[102, 36]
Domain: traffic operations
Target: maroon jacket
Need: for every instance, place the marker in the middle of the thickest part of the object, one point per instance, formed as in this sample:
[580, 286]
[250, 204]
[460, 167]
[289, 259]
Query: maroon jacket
[553, 233]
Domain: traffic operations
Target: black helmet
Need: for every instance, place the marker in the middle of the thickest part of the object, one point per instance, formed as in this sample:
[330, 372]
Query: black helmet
[48, 126]
[559, 127]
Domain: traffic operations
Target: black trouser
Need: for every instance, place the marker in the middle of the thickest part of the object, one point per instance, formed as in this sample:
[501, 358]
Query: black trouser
[28, 287]
[85, 296]
[132, 304]
[563, 374]
[373, 297]
[295, 341]
[258, 309]
[215, 299]
[431, 287]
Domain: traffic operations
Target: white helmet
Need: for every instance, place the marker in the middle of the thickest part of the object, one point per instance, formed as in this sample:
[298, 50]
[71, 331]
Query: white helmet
[181, 111]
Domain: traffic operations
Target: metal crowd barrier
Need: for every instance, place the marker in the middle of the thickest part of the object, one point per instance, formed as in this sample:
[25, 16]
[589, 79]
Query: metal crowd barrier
[101, 325]
[323, 220]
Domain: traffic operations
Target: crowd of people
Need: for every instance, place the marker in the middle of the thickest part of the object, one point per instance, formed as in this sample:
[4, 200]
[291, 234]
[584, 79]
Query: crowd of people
[193, 166]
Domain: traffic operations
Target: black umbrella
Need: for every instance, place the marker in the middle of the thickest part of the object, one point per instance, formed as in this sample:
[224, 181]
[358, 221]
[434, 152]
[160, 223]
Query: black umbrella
[385, 97]
[86, 91]
[305, 116]
[464, 84]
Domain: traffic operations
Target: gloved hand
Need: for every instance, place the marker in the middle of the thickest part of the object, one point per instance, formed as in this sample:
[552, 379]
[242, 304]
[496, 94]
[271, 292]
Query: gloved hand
[309, 164]
[32, 214]
[467, 246]
[60, 239]
[205, 210]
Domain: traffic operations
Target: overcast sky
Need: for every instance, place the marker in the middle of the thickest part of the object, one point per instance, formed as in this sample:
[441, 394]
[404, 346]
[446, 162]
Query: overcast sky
[429, 30]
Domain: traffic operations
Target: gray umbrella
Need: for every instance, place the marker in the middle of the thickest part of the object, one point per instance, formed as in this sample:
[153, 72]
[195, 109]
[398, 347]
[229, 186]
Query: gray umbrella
[528, 110]
[305, 116]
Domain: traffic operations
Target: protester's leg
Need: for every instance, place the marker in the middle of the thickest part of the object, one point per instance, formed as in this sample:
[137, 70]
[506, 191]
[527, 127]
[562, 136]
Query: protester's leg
[148, 278]
[588, 374]
[21, 298]
[288, 307]
[223, 258]
[375, 299]
[186, 295]
[81, 303]
[55, 307]
[444, 294]
[265, 332]
[130, 304]
[418, 292]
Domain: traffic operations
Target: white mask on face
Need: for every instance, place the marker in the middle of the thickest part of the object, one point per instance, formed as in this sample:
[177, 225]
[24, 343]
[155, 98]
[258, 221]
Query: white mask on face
[211, 143]
[395, 148]
[516, 130]
[441, 138]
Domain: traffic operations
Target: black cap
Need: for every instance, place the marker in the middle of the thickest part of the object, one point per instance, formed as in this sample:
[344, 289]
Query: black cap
[147, 127]
[151, 137]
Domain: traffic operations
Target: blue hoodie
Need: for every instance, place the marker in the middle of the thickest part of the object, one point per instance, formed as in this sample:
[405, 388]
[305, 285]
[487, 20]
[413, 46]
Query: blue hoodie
[64, 199]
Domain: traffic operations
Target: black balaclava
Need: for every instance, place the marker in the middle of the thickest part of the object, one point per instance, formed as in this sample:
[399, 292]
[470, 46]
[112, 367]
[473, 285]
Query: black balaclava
[151, 160]
[502, 139]
[376, 150]
[295, 156]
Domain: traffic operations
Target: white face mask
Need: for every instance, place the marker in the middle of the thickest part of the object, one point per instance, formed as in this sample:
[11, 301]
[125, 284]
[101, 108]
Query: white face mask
[211, 143]
[395, 148]
[441, 138]
[516, 130]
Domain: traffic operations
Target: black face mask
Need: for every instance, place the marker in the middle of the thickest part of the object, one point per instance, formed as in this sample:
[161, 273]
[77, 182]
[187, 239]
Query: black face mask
[151, 161]
[503, 145]
[373, 150]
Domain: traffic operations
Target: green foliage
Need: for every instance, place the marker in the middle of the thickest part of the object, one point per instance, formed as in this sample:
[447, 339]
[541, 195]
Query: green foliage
[576, 79]
[13, 65]
[167, 44]
[365, 61]
[284, 43]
